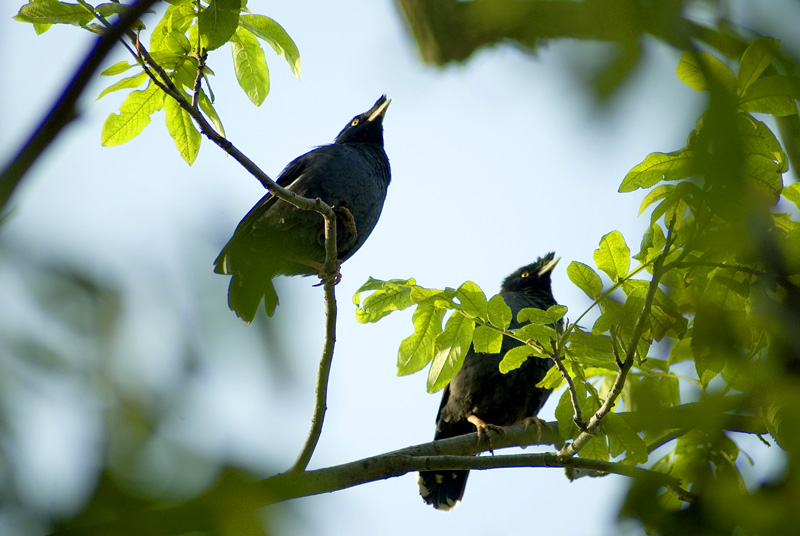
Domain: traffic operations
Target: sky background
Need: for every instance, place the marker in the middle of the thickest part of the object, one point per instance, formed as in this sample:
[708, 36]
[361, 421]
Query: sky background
[494, 163]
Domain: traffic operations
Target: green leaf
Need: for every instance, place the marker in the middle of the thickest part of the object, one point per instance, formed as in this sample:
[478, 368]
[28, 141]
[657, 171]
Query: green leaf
[596, 449]
[181, 127]
[451, 346]
[585, 278]
[654, 195]
[273, 33]
[552, 380]
[755, 59]
[218, 23]
[417, 350]
[534, 316]
[208, 109]
[54, 12]
[130, 82]
[169, 33]
[515, 357]
[564, 411]
[118, 68]
[250, 66]
[472, 299]
[487, 340]
[622, 438]
[387, 297]
[774, 95]
[134, 116]
[536, 332]
[658, 167]
[590, 349]
[499, 312]
[697, 68]
[613, 256]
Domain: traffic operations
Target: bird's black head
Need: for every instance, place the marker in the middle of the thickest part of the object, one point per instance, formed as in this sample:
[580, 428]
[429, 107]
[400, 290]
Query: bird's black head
[533, 278]
[367, 127]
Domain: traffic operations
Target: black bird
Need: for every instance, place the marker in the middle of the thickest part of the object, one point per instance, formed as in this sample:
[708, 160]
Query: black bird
[275, 238]
[480, 396]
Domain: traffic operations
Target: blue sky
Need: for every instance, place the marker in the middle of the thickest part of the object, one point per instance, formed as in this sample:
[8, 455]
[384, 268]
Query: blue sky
[495, 162]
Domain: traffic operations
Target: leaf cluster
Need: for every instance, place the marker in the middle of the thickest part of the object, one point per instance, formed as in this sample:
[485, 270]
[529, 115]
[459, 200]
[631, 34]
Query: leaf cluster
[179, 45]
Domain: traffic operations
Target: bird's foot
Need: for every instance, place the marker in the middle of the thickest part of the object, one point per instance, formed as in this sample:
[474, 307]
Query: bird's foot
[483, 428]
[538, 422]
[325, 278]
[346, 217]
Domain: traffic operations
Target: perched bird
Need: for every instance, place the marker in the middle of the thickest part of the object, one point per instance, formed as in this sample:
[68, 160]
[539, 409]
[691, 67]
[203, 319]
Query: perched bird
[480, 396]
[276, 238]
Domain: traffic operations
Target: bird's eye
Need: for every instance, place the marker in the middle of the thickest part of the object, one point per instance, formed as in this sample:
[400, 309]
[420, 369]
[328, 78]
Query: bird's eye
[354, 122]
[525, 274]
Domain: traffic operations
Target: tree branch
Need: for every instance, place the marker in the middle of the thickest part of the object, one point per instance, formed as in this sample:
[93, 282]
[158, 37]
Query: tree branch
[63, 112]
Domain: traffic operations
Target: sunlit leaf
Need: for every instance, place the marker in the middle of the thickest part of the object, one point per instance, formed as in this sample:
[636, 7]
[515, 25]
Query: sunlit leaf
[417, 350]
[585, 278]
[451, 346]
[755, 59]
[250, 66]
[659, 167]
[499, 312]
[134, 116]
[181, 127]
[218, 22]
[696, 69]
[472, 299]
[125, 83]
[273, 33]
[613, 256]
[487, 340]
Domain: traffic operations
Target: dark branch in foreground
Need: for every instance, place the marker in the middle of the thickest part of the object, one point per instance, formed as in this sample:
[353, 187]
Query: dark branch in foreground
[63, 112]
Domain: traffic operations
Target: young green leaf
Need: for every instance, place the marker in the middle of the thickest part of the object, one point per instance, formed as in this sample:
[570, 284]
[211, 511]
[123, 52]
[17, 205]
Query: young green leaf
[792, 193]
[515, 357]
[697, 68]
[387, 297]
[755, 59]
[487, 340]
[273, 33]
[451, 346]
[653, 241]
[169, 33]
[585, 278]
[125, 83]
[218, 22]
[54, 12]
[499, 312]
[658, 167]
[473, 300]
[534, 316]
[250, 66]
[613, 256]
[208, 109]
[118, 68]
[134, 116]
[180, 126]
[417, 350]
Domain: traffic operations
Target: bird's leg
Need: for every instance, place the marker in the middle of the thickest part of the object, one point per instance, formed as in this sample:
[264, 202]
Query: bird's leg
[346, 217]
[320, 268]
[527, 421]
[484, 427]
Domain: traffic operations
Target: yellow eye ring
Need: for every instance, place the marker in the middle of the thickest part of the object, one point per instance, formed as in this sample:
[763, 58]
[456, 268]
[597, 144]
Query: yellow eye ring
[525, 274]
[354, 123]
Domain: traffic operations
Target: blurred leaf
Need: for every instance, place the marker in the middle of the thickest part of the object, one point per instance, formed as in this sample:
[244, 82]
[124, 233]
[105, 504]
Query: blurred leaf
[755, 59]
[274, 34]
[774, 95]
[487, 340]
[622, 438]
[697, 68]
[590, 349]
[613, 256]
[653, 242]
[585, 278]
[181, 127]
[134, 116]
[451, 346]
[792, 193]
[417, 350]
[250, 66]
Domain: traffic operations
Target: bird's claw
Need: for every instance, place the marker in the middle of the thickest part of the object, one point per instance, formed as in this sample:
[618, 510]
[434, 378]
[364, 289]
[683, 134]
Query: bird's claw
[483, 428]
[325, 278]
[346, 217]
[538, 422]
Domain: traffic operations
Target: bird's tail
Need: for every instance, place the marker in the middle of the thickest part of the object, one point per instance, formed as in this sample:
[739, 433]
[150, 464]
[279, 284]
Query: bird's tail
[442, 489]
[244, 295]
